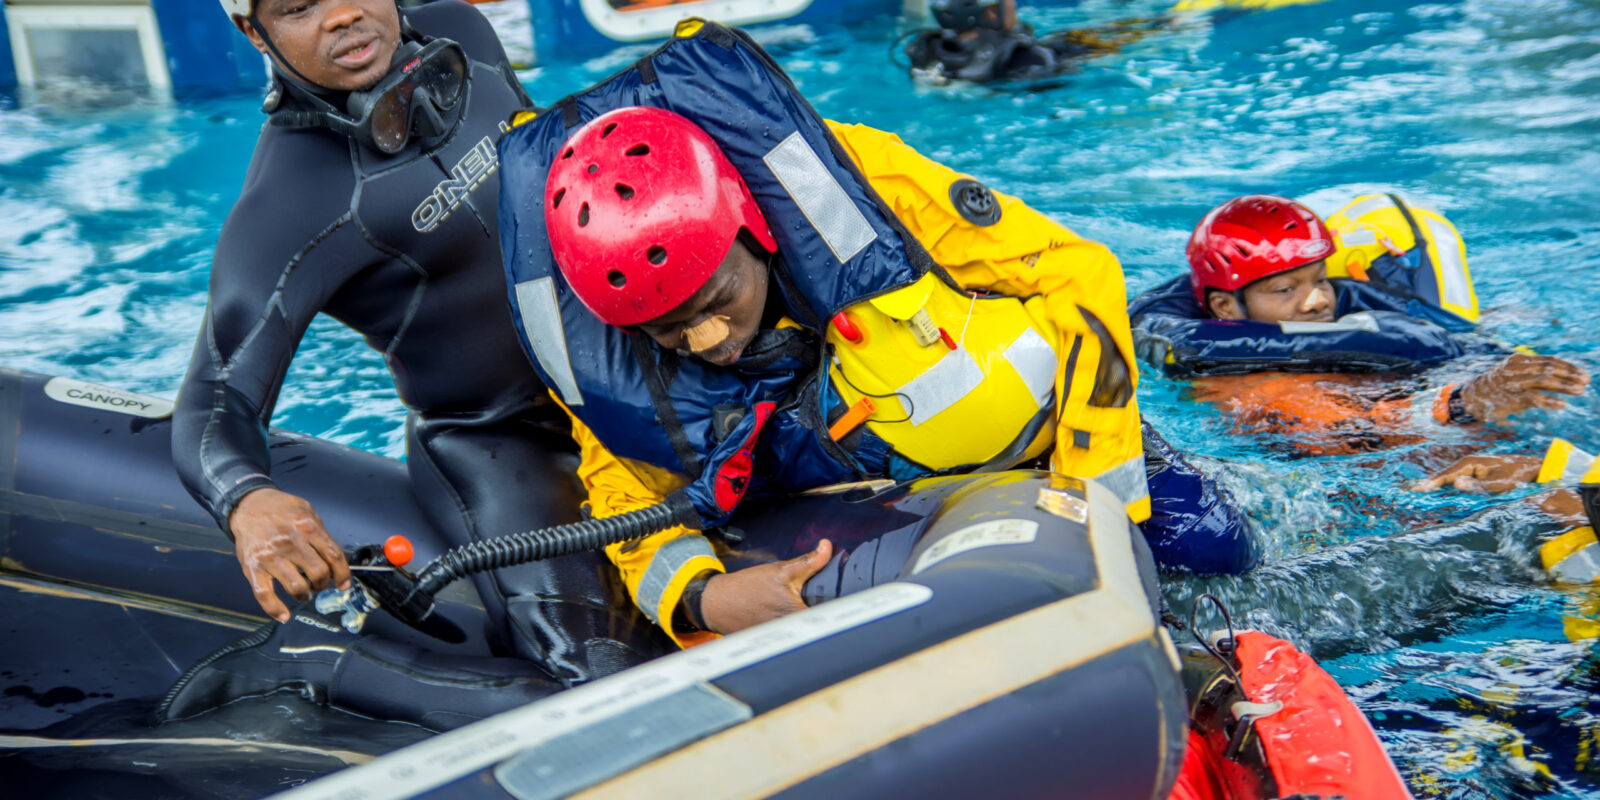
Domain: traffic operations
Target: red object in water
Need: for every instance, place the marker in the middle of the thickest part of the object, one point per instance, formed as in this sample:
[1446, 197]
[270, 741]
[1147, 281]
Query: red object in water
[398, 550]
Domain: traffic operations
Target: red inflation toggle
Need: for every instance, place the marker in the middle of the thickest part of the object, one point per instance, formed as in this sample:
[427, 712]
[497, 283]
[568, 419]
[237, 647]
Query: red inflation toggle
[847, 327]
[398, 550]
[949, 341]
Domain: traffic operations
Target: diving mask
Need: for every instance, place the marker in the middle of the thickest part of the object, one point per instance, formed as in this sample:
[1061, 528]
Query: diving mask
[415, 97]
[966, 15]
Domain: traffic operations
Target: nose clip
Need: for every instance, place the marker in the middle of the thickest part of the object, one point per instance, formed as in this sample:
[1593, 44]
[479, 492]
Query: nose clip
[708, 334]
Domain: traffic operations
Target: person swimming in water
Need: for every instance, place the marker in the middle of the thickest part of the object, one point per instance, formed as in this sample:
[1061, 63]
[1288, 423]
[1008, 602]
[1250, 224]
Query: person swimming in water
[1284, 318]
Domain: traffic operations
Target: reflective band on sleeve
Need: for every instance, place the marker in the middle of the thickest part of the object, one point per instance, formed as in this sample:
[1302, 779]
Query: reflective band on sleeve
[1035, 362]
[669, 558]
[541, 321]
[1591, 476]
[1357, 211]
[1455, 288]
[820, 197]
[1126, 480]
[1563, 462]
[941, 385]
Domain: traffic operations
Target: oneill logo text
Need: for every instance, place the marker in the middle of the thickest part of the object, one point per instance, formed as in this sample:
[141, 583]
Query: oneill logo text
[480, 162]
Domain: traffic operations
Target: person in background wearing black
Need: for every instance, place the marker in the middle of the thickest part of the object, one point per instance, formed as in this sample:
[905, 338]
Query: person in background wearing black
[983, 43]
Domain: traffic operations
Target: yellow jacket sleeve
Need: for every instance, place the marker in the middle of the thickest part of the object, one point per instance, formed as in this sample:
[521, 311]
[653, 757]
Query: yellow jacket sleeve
[1025, 254]
[657, 567]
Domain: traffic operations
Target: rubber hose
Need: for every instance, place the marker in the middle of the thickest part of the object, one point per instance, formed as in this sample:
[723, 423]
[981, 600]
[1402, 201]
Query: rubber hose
[575, 537]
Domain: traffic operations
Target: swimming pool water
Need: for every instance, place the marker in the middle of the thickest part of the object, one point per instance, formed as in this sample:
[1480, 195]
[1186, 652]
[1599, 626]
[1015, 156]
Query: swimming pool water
[1489, 111]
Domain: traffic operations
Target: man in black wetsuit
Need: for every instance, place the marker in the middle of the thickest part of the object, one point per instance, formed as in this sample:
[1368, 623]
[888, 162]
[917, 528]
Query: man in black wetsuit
[371, 198]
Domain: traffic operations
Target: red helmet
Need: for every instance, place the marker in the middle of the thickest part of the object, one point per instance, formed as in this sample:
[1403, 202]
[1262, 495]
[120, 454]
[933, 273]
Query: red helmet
[1248, 238]
[642, 206]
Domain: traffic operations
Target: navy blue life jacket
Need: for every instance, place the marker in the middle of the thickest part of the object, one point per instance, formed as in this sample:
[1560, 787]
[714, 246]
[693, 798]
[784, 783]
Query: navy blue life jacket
[1376, 331]
[840, 244]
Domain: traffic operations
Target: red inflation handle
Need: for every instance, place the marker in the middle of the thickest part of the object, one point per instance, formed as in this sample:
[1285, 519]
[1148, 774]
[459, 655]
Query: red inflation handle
[398, 550]
[847, 327]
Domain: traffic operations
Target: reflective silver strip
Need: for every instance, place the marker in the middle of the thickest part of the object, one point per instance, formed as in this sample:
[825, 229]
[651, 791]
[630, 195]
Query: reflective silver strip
[1358, 237]
[541, 321]
[1359, 321]
[669, 558]
[820, 197]
[1035, 362]
[1367, 206]
[941, 386]
[1578, 463]
[1126, 480]
[1457, 289]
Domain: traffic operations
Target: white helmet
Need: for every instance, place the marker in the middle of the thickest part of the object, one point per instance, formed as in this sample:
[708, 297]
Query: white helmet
[239, 8]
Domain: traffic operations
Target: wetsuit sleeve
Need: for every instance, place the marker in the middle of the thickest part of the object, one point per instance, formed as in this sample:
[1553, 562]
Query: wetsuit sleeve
[655, 568]
[1077, 284]
[270, 276]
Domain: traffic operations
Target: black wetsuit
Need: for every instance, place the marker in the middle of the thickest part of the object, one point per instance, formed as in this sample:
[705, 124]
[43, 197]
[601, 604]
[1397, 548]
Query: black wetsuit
[985, 55]
[405, 250]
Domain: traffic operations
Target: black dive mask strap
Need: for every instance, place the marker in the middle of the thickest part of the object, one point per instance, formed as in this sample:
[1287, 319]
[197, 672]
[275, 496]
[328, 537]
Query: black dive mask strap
[421, 114]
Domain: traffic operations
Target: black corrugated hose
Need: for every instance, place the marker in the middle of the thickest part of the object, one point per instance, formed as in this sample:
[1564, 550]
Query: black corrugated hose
[575, 537]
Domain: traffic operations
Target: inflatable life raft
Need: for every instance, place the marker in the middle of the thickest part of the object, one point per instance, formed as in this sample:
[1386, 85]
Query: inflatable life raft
[974, 636]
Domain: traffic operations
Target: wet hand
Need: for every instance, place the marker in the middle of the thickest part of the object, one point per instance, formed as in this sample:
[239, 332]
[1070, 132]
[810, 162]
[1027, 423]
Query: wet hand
[1520, 383]
[279, 539]
[1493, 474]
[738, 600]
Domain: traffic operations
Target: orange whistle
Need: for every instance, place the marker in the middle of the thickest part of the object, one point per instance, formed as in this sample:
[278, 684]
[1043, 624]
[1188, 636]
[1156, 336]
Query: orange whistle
[852, 419]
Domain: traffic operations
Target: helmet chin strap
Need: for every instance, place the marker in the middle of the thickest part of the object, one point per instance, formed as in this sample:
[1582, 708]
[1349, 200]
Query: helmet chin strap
[278, 60]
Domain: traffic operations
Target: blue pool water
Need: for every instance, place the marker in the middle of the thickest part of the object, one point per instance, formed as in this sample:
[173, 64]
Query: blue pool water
[1488, 110]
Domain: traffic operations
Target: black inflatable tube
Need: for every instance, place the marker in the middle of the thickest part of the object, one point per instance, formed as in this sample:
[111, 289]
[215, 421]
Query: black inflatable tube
[987, 674]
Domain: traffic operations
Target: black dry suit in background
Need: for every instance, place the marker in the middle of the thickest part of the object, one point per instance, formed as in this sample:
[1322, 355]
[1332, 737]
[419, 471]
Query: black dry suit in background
[985, 55]
[405, 250]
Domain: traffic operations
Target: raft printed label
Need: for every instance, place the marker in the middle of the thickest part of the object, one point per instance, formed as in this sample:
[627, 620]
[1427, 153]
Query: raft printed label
[972, 537]
[93, 395]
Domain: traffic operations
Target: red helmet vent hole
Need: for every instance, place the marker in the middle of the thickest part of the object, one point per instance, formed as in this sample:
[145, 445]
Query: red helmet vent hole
[617, 279]
[638, 150]
[583, 215]
[608, 130]
[657, 255]
[567, 153]
[555, 202]
[625, 191]
[1243, 253]
[1291, 225]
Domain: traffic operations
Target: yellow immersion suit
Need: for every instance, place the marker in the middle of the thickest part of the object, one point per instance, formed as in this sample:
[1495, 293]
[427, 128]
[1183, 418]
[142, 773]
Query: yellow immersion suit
[1034, 285]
